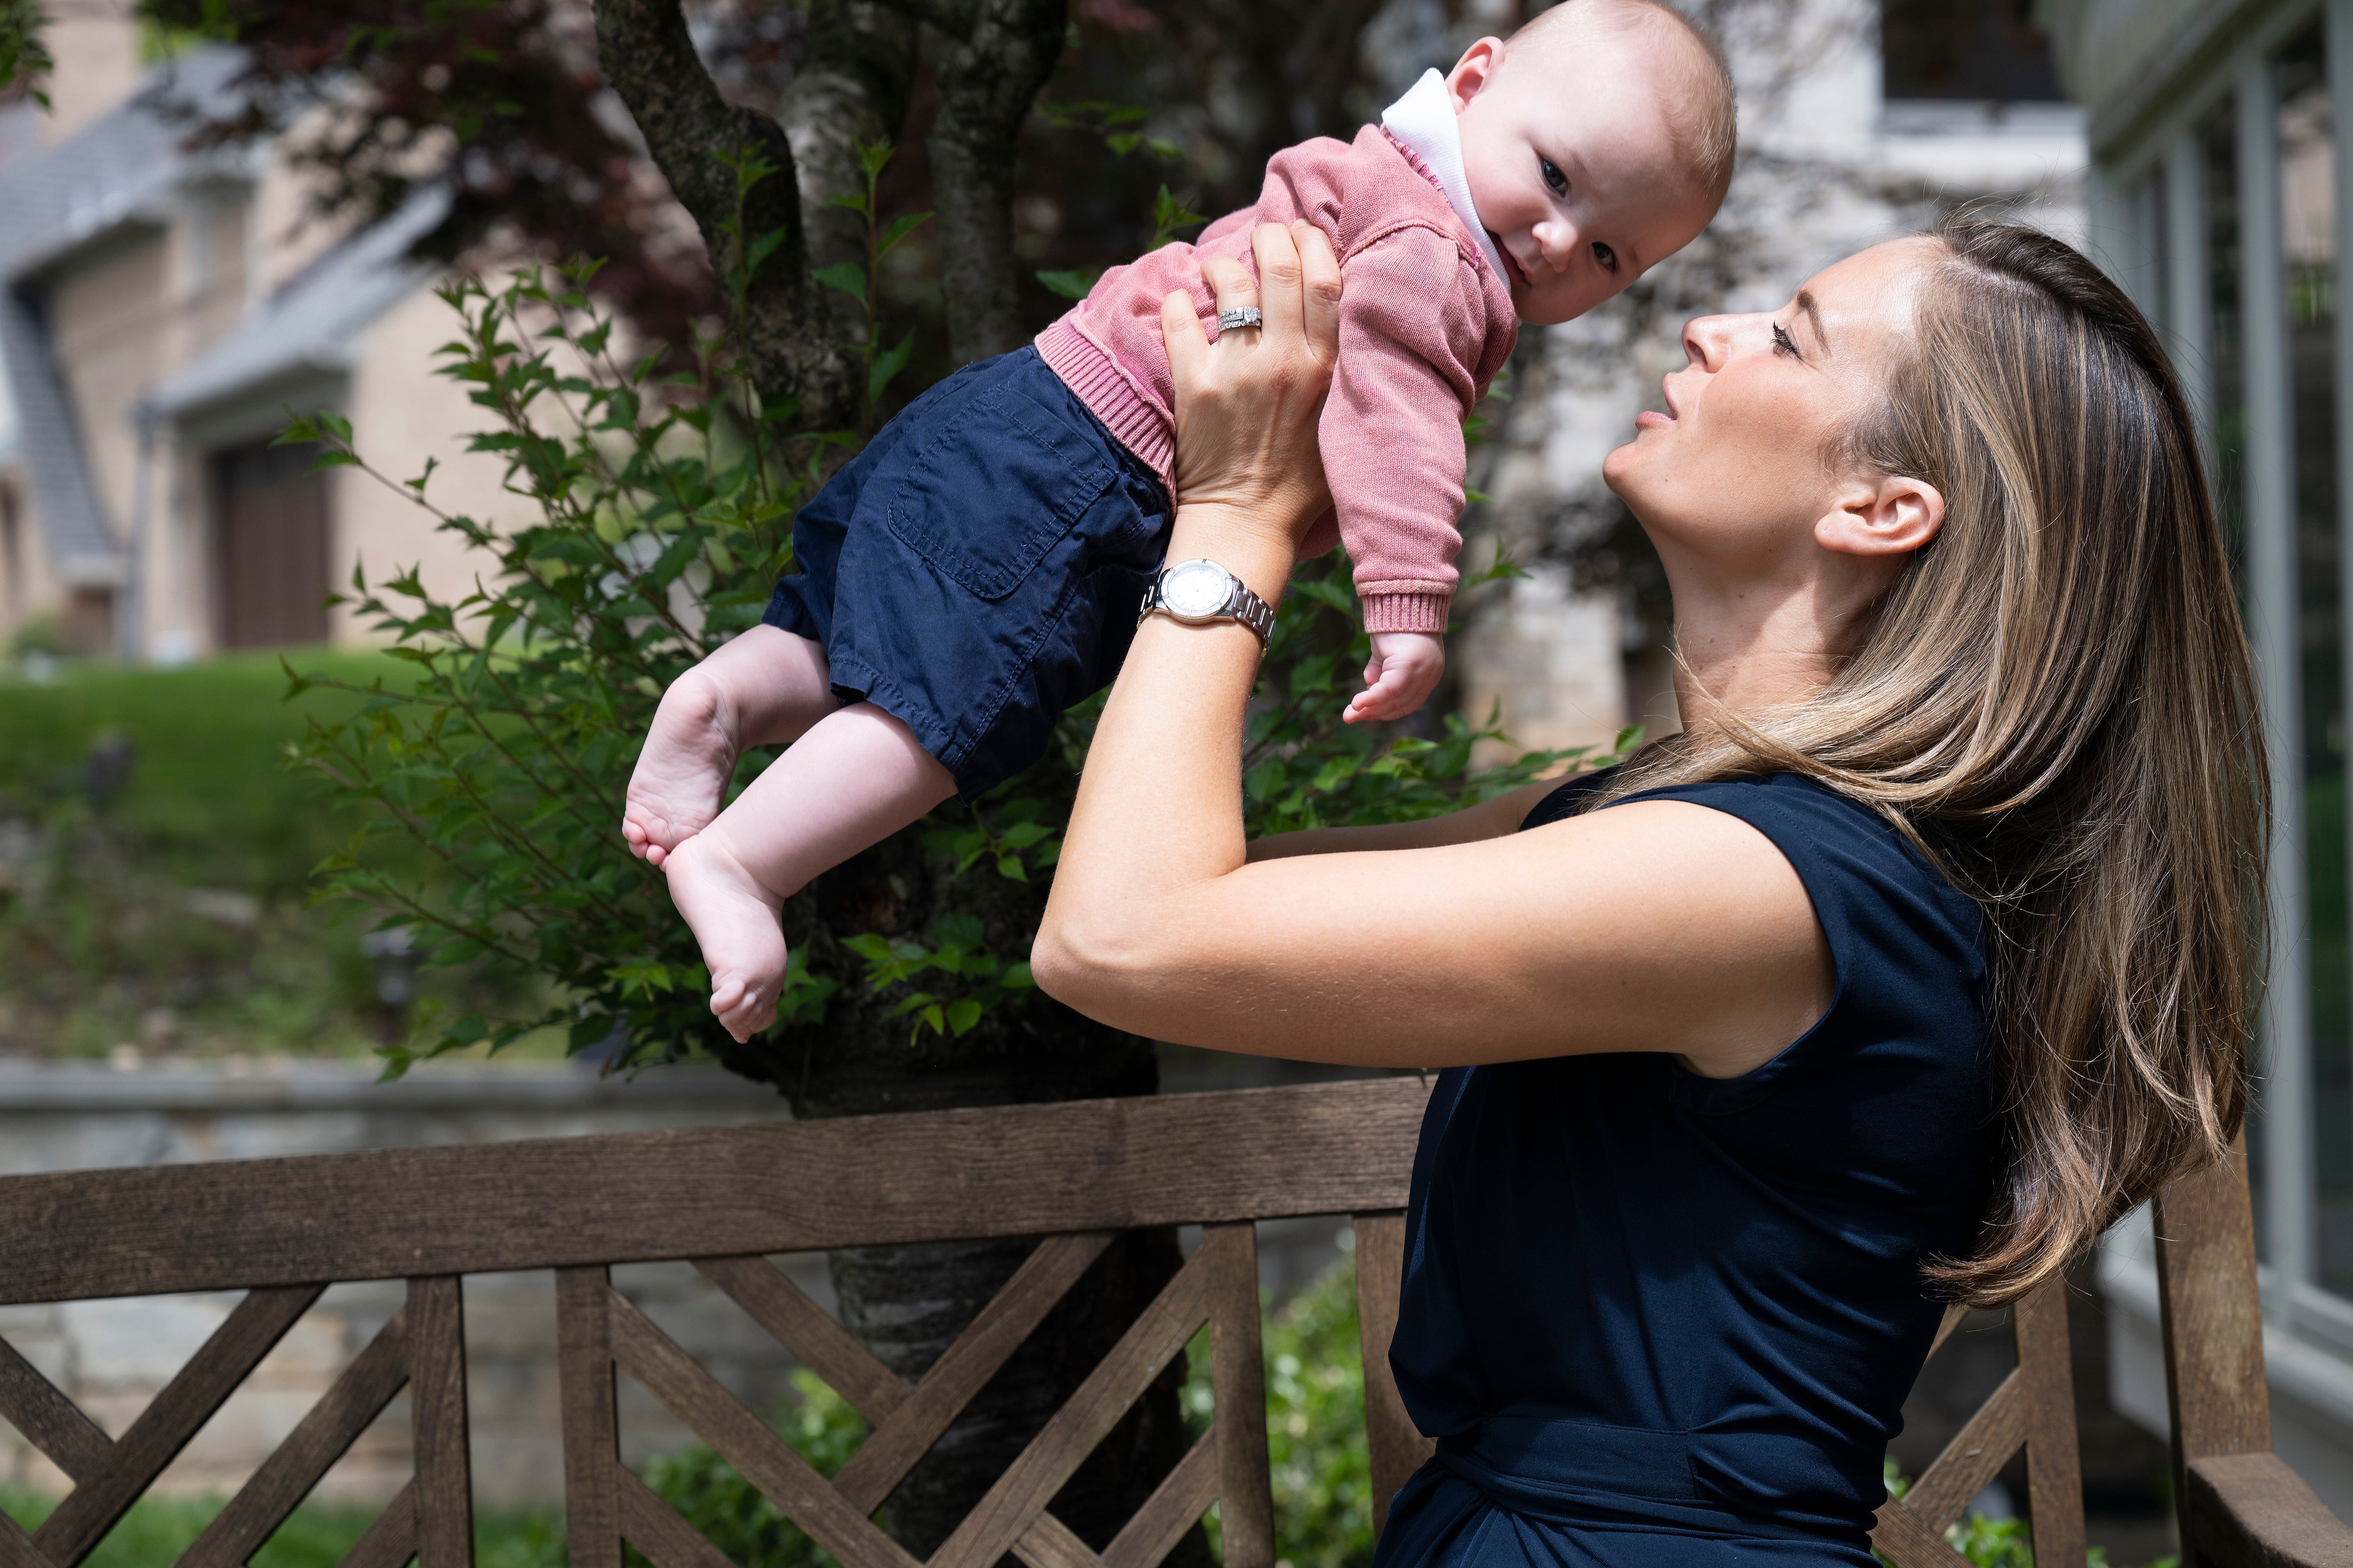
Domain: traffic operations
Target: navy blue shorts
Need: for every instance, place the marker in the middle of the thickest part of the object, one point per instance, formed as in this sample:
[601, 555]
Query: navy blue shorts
[977, 569]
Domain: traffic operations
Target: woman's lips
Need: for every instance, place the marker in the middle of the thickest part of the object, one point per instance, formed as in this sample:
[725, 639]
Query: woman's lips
[1651, 417]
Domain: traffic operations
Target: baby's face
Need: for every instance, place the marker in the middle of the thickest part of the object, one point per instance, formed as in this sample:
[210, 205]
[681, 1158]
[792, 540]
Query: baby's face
[1572, 167]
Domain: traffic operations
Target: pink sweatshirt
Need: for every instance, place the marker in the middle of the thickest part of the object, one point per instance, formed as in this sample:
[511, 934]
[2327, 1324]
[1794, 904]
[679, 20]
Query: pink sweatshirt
[1424, 324]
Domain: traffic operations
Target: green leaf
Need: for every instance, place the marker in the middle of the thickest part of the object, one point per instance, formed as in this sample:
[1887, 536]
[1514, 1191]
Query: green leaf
[760, 249]
[1123, 144]
[846, 276]
[1168, 216]
[899, 229]
[887, 365]
[963, 1013]
[1074, 284]
[1010, 866]
[958, 927]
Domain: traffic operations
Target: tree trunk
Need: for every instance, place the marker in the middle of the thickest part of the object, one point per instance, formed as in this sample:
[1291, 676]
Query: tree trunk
[858, 65]
[998, 54]
[690, 131]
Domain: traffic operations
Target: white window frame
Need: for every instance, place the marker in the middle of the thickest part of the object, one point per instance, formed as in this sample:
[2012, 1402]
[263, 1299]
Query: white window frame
[2122, 234]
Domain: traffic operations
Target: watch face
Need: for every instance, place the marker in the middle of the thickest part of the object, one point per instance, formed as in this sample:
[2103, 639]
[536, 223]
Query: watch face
[1196, 588]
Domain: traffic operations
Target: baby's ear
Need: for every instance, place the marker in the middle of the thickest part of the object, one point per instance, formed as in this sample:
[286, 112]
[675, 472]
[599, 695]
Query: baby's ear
[1474, 73]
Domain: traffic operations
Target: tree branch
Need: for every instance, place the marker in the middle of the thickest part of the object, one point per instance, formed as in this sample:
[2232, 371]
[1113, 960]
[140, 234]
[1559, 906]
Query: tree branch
[989, 76]
[852, 86]
[689, 128]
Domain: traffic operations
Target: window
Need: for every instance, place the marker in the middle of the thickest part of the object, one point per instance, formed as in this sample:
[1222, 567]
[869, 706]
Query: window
[2304, 127]
[1986, 50]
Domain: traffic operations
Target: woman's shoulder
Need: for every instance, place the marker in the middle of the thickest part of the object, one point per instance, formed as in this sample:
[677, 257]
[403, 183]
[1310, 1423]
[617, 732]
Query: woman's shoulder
[1872, 887]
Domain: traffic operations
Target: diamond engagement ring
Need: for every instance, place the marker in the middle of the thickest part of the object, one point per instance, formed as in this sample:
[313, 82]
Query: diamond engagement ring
[1240, 316]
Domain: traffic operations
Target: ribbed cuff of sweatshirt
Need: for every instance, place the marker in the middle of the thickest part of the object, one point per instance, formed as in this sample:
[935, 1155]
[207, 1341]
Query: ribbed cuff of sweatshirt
[1406, 611]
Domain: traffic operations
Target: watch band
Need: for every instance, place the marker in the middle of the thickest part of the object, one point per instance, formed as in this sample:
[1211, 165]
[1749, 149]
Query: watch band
[1241, 604]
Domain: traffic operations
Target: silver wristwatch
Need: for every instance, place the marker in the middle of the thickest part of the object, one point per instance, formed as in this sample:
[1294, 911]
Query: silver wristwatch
[1199, 590]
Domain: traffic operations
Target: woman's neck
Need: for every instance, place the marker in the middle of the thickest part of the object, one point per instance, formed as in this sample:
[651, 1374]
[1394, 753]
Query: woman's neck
[1753, 651]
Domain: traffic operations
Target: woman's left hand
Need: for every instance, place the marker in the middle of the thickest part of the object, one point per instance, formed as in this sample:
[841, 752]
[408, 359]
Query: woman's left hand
[1248, 406]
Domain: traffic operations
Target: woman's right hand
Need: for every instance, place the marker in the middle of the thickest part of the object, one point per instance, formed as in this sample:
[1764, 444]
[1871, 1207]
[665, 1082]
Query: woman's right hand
[1248, 404]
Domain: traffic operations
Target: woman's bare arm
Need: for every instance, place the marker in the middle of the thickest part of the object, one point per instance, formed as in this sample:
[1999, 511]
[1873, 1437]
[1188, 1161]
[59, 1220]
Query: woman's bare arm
[1656, 926]
[1488, 819]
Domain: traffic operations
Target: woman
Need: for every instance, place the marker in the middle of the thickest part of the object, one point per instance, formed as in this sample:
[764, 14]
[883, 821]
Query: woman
[1919, 956]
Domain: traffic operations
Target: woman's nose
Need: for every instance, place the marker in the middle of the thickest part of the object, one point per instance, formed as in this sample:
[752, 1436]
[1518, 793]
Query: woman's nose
[1707, 340]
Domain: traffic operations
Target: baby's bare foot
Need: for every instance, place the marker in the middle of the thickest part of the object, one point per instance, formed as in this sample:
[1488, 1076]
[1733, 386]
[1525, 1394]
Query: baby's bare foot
[682, 775]
[735, 920]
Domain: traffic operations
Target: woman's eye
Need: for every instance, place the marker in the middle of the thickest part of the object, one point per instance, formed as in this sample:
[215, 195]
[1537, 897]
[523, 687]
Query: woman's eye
[1606, 256]
[1782, 342]
[1552, 176]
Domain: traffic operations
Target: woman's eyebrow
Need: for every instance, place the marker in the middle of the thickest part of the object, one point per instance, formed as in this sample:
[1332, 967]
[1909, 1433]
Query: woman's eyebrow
[1806, 303]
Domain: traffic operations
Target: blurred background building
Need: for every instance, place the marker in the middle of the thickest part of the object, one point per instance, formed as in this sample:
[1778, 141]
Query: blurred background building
[2217, 175]
[161, 312]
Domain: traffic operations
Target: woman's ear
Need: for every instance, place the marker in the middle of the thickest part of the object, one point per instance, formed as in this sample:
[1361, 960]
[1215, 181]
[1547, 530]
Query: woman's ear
[1474, 72]
[1888, 516]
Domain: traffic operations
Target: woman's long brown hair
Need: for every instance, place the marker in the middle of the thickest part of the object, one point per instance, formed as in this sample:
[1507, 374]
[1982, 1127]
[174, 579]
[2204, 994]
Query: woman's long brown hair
[2055, 701]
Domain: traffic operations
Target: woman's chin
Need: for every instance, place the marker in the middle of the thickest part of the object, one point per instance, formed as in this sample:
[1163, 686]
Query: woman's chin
[1621, 465]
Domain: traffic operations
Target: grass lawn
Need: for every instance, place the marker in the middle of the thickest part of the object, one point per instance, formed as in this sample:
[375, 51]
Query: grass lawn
[209, 792]
[157, 1530]
[155, 853]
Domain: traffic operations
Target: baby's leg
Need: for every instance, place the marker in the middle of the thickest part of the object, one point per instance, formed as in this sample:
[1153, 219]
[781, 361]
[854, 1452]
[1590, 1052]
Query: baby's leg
[858, 776]
[761, 689]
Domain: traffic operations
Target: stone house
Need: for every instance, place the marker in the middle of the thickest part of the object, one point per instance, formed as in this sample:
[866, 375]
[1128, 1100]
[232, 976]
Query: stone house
[161, 311]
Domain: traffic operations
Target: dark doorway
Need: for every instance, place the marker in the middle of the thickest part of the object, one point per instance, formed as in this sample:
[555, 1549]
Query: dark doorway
[271, 565]
[12, 564]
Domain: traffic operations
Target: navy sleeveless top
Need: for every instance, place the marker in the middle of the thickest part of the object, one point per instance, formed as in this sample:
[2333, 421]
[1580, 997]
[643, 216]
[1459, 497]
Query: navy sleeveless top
[1658, 1318]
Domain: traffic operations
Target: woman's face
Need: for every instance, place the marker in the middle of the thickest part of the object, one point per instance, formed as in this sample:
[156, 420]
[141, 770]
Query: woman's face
[1737, 471]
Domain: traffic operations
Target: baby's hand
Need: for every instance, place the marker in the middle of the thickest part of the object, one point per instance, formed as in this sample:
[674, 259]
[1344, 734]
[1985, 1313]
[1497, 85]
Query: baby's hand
[1404, 670]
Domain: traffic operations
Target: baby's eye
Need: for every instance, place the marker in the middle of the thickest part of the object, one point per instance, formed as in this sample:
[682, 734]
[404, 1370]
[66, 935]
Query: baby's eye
[1552, 176]
[1606, 256]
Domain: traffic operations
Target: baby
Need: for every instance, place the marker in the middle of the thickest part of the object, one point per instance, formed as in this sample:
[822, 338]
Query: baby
[982, 564]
